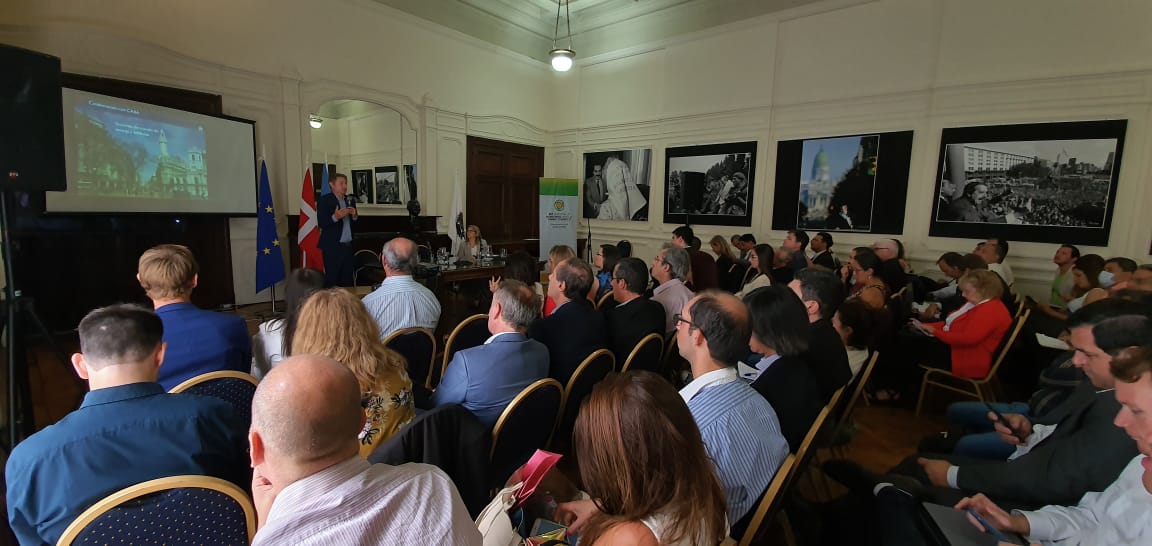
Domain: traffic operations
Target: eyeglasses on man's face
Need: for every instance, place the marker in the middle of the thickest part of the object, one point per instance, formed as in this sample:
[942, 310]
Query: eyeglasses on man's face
[680, 318]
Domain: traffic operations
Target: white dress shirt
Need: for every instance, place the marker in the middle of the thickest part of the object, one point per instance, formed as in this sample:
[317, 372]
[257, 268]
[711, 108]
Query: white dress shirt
[401, 302]
[1122, 514]
[355, 503]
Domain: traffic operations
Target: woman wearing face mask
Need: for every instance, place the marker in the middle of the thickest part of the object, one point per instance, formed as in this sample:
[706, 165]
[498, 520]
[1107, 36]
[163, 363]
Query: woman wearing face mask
[1085, 278]
[1115, 276]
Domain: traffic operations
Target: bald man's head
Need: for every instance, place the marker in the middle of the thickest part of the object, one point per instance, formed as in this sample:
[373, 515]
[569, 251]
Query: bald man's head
[399, 256]
[308, 409]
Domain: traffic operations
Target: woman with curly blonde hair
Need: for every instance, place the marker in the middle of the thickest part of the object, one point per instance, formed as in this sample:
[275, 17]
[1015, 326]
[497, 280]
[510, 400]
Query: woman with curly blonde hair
[335, 324]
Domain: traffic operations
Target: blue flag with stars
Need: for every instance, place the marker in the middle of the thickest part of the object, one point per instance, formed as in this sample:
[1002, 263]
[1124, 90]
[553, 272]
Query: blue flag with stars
[325, 189]
[269, 262]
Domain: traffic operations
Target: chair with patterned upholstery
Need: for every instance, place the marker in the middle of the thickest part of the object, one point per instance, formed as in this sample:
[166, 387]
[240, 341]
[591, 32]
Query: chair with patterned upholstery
[525, 426]
[471, 332]
[172, 510]
[418, 347]
[236, 388]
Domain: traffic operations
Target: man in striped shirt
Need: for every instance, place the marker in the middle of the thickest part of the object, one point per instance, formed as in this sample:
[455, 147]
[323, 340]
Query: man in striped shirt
[309, 483]
[401, 301]
[740, 429]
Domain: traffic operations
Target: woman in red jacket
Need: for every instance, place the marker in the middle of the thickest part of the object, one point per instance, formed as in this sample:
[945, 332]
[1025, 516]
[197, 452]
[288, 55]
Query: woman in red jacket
[973, 332]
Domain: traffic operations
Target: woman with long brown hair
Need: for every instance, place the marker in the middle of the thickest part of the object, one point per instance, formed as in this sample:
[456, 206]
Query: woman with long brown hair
[642, 459]
[335, 324]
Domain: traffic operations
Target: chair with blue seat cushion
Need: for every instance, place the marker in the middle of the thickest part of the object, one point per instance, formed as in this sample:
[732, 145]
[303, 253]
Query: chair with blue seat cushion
[172, 510]
[418, 347]
[236, 388]
[471, 332]
[525, 426]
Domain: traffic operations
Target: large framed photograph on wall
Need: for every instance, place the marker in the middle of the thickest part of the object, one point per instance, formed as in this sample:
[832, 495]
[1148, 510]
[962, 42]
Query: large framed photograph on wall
[1042, 182]
[616, 184]
[362, 186]
[710, 184]
[855, 183]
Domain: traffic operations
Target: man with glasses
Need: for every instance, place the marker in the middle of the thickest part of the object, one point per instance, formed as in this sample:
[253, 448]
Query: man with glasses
[630, 316]
[891, 271]
[670, 268]
[739, 427]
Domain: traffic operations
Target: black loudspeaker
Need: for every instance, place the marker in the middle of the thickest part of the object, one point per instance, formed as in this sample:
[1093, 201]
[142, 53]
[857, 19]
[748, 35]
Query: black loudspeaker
[31, 121]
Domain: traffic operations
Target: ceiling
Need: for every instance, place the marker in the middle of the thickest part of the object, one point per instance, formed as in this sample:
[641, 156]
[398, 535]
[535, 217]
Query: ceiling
[598, 26]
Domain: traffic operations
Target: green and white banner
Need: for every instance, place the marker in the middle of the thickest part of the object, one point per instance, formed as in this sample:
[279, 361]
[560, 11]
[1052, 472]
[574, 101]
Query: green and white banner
[559, 207]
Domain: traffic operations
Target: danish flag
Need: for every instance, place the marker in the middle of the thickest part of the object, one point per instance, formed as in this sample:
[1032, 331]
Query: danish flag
[308, 236]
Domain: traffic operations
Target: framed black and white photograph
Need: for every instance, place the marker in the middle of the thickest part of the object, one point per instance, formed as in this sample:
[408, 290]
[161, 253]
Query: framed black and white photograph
[1043, 182]
[855, 183]
[710, 184]
[387, 186]
[362, 186]
[616, 184]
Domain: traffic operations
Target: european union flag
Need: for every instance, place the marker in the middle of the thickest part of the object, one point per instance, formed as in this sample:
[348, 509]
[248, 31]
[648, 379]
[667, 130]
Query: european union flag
[269, 262]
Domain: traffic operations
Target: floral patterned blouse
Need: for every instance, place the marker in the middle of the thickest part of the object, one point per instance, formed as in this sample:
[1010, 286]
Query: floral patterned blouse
[389, 407]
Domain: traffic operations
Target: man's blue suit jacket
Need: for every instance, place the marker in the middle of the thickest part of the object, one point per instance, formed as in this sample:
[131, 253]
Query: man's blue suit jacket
[485, 379]
[201, 341]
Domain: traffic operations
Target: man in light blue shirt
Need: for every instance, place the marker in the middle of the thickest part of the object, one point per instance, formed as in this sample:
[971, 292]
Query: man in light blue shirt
[401, 301]
[740, 429]
[485, 379]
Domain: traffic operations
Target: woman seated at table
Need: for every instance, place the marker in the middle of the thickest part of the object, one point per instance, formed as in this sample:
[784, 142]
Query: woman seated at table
[867, 285]
[605, 262]
[642, 459]
[780, 334]
[335, 324]
[760, 259]
[969, 336]
[473, 246]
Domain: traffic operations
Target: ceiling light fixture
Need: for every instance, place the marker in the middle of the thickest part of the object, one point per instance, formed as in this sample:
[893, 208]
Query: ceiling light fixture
[315, 121]
[562, 57]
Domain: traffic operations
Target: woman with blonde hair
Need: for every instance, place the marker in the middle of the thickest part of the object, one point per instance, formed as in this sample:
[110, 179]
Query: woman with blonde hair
[473, 245]
[335, 324]
[642, 459]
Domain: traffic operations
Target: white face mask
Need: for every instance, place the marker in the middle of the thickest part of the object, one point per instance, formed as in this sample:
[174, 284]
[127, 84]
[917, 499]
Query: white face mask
[1107, 279]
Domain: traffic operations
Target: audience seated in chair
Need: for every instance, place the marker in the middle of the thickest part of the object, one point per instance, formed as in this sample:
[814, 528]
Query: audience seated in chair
[575, 329]
[971, 335]
[401, 302]
[630, 316]
[822, 252]
[198, 341]
[485, 379]
[273, 340]
[127, 431]
[760, 254]
[702, 271]
[670, 268]
[605, 262]
[335, 324]
[780, 334]
[633, 427]
[310, 484]
[1117, 515]
[740, 429]
[861, 328]
[822, 293]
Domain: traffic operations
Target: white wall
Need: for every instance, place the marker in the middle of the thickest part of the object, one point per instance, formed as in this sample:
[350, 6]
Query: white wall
[886, 65]
[889, 65]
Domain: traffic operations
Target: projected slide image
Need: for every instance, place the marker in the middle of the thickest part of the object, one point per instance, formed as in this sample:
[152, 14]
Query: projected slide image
[124, 152]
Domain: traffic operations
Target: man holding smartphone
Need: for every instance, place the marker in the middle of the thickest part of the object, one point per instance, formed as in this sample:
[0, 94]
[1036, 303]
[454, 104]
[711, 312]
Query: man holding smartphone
[1118, 515]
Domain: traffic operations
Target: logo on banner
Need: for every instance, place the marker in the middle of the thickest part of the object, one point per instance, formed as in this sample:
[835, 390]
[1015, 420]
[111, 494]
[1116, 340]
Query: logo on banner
[558, 205]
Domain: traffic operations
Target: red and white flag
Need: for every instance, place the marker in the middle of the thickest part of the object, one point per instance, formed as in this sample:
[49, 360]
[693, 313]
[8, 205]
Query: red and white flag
[308, 236]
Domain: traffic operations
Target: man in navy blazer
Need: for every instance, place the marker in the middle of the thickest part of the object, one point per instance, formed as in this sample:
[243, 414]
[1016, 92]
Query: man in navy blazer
[485, 379]
[575, 329]
[199, 341]
[335, 214]
[631, 317]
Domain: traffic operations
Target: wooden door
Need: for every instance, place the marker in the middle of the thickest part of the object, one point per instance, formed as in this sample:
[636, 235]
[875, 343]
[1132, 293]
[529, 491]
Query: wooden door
[504, 189]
